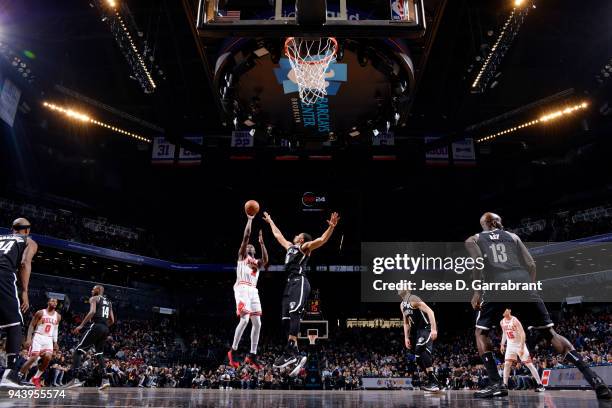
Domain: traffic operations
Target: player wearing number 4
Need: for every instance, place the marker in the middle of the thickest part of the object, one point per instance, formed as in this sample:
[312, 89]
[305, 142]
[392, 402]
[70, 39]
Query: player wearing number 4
[514, 336]
[507, 259]
[44, 325]
[101, 315]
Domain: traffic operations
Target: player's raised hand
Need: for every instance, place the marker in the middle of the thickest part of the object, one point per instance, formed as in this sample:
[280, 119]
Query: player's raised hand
[333, 220]
[25, 302]
[434, 334]
[267, 218]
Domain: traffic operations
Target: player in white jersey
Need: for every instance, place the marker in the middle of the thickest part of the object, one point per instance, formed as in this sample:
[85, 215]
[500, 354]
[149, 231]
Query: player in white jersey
[248, 305]
[514, 336]
[45, 327]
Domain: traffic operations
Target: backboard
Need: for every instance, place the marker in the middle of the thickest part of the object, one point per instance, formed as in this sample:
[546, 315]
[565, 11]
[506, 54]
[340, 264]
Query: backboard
[277, 18]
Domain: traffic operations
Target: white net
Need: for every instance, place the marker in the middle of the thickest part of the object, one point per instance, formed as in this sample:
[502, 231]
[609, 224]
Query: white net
[310, 59]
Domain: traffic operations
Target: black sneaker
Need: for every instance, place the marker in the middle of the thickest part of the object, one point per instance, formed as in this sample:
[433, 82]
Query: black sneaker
[430, 387]
[252, 360]
[288, 357]
[493, 390]
[11, 381]
[539, 388]
[603, 392]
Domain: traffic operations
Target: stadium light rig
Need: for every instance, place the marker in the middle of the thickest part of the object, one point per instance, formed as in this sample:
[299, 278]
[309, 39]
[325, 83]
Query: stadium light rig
[542, 119]
[503, 42]
[82, 117]
[112, 14]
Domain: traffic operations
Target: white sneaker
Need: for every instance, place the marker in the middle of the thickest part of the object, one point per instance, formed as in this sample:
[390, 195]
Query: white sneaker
[74, 383]
[301, 363]
[105, 384]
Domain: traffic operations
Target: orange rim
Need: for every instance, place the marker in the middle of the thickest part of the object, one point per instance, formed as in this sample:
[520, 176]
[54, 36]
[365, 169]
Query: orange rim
[324, 60]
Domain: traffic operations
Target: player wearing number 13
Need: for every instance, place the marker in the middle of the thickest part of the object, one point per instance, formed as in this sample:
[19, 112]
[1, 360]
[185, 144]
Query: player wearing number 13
[507, 259]
[101, 315]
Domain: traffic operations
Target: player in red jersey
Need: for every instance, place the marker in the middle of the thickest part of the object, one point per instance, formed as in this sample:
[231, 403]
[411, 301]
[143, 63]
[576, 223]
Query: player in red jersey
[514, 335]
[44, 328]
[248, 304]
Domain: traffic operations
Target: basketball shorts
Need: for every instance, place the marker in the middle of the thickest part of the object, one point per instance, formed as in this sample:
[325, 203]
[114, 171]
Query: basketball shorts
[40, 345]
[10, 306]
[527, 306]
[421, 341]
[247, 300]
[295, 296]
[513, 350]
[94, 337]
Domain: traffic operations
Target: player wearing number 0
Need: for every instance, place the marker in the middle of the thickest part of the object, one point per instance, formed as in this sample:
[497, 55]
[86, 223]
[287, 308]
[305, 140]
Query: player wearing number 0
[507, 259]
[514, 335]
[248, 305]
[101, 316]
[297, 288]
[16, 253]
[45, 326]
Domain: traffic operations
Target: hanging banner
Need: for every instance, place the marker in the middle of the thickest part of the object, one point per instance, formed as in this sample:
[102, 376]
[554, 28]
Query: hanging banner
[383, 139]
[464, 152]
[438, 156]
[242, 138]
[188, 158]
[9, 100]
[163, 151]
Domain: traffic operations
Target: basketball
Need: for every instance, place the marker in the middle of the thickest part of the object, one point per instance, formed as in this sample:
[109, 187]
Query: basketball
[251, 207]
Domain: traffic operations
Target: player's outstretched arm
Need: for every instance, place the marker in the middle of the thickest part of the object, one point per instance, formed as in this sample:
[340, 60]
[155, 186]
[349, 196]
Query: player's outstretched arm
[111, 317]
[264, 251]
[25, 270]
[56, 332]
[521, 331]
[406, 329]
[276, 232]
[245, 238]
[319, 242]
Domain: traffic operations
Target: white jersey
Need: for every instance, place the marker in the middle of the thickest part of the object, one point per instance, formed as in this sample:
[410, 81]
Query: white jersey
[247, 272]
[510, 328]
[48, 324]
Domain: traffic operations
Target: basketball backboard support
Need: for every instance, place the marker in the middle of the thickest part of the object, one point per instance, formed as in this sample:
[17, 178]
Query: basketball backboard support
[276, 18]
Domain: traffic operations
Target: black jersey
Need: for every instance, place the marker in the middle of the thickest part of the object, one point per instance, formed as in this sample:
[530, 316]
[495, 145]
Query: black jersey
[500, 250]
[103, 310]
[418, 319]
[295, 260]
[11, 252]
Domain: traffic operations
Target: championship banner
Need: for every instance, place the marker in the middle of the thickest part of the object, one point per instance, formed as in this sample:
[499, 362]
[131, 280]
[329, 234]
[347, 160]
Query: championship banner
[384, 139]
[386, 383]
[9, 100]
[438, 156]
[163, 151]
[242, 138]
[188, 158]
[464, 152]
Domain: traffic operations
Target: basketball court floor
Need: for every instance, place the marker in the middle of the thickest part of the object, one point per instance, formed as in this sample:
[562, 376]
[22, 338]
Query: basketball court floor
[168, 397]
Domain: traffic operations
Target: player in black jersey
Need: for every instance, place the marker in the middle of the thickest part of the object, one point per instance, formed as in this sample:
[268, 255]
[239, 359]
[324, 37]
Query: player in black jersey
[297, 288]
[420, 331]
[507, 258]
[16, 253]
[101, 316]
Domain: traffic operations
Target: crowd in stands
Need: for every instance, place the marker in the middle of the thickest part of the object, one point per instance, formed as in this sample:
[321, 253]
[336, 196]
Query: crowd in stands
[146, 354]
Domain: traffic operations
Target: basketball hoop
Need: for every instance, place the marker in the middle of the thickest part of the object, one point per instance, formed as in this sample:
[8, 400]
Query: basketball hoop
[313, 334]
[310, 58]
